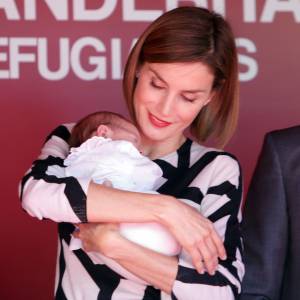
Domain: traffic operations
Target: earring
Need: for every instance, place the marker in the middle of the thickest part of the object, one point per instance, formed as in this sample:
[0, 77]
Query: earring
[137, 74]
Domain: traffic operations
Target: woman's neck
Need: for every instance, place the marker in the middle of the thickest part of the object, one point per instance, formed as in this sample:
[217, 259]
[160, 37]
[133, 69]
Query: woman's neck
[155, 150]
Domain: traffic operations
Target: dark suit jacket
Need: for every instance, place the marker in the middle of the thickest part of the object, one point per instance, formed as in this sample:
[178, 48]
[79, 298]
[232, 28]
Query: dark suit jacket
[272, 221]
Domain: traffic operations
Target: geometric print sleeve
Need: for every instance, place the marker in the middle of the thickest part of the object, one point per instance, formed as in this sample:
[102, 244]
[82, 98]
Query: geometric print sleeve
[210, 182]
[50, 196]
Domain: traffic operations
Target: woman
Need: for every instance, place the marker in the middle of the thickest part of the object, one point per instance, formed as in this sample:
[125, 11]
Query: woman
[182, 73]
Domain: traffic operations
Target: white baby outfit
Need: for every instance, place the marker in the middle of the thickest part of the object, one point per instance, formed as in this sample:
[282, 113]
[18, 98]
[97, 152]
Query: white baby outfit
[120, 164]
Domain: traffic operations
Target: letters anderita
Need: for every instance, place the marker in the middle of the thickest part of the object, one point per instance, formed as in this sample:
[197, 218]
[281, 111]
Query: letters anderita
[17, 51]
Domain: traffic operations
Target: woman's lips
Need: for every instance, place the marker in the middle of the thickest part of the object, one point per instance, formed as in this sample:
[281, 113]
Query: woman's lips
[157, 122]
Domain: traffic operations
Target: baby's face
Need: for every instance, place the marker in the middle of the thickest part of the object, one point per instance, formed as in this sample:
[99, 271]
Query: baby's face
[128, 133]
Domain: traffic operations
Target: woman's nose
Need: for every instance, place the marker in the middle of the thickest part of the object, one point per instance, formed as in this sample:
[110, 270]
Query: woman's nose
[166, 105]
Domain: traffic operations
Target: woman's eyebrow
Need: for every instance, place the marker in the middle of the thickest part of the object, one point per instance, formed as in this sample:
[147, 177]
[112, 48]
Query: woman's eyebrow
[193, 91]
[157, 75]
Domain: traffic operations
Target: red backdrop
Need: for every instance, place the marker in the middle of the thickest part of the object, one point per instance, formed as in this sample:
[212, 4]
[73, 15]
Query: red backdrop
[61, 59]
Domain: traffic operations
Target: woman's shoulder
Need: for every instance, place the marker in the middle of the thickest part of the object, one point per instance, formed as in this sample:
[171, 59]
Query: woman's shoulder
[56, 143]
[215, 165]
[62, 131]
[202, 152]
[193, 153]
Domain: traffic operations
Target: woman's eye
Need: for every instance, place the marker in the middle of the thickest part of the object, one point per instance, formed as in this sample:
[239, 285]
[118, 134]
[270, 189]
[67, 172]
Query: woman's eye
[155, 85]
[188, 99]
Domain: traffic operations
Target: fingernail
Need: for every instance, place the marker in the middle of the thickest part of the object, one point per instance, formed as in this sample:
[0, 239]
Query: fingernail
[224, 257]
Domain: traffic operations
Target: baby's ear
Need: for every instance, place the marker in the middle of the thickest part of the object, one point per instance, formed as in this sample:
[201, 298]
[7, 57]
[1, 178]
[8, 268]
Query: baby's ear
[104, 131]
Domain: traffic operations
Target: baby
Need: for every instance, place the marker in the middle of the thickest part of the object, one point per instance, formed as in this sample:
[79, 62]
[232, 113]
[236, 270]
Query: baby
[105, 150]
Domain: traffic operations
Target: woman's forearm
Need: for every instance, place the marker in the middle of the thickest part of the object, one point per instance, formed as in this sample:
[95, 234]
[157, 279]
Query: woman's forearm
[105, 204]
[155, 268]
[193, 232]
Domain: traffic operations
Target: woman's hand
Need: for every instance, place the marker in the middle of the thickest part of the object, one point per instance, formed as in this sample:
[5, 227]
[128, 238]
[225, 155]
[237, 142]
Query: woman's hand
[196, 234]
[149, 267]
[98, 237]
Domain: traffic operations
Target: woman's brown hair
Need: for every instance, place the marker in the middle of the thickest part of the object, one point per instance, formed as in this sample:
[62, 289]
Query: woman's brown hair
[193, 34]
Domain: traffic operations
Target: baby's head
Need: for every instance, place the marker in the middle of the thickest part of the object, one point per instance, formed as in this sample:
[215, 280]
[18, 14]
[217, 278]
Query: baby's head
[105, 124]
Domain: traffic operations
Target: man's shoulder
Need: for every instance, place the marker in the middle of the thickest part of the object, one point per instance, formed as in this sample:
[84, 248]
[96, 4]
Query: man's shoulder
[285, 135]
[285, 141]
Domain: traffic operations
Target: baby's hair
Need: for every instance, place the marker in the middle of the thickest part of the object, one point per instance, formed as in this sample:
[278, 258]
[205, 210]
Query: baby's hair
[85, 127]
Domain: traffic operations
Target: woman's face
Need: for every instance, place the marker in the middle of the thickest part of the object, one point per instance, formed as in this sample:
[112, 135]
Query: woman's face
[168, 97]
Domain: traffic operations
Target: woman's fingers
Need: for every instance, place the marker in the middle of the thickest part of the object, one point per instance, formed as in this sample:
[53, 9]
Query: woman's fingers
[197, 236]
[96, 236]
[83, 232]
[204, 256]
[219, 245]
[211, 247]
[209, 254]
[76, 231]
[197, 259]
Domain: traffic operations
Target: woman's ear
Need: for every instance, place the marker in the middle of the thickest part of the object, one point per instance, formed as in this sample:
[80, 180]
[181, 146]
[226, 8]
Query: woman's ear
[138, 71]
[104, 131]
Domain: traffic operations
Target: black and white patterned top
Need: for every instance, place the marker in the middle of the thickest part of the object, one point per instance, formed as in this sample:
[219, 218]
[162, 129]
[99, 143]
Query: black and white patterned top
[205, 178]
